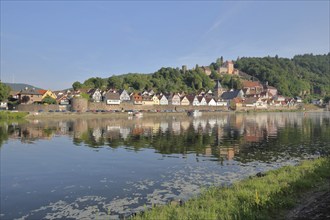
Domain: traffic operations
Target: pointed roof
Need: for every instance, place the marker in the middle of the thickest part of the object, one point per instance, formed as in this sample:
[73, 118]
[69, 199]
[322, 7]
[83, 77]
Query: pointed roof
[218, 85]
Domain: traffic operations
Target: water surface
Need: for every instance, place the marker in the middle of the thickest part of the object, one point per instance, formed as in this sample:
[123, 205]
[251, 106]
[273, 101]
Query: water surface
[109, 168]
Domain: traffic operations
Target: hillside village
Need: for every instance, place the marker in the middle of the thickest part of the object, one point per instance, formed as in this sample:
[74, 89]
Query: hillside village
[253, 95]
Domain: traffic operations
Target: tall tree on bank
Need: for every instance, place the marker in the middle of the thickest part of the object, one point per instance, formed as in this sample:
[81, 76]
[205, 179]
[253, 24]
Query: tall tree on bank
[4, 91]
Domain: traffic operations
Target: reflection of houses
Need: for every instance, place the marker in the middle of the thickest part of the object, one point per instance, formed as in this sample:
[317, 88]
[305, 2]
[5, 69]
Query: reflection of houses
[176, 127]
[163, 126]
[97, 133]
[208, 151]
[185, 125]
[124, 132]
[228, 152]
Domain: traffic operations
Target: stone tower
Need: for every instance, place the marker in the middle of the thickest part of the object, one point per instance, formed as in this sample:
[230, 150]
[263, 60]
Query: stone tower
[218, 89]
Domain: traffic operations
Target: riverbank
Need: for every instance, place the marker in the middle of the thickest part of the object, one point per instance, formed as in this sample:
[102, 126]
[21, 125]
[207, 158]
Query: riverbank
[9, 115]
[86, 115]
[265, 196]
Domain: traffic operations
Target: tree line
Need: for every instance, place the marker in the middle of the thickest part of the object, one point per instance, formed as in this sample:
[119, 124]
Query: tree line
[304, 75]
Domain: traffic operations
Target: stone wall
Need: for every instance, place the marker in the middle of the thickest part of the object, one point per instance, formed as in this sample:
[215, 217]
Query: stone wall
[93, 106]
[79, 104]
[82, 105]
[35, 108]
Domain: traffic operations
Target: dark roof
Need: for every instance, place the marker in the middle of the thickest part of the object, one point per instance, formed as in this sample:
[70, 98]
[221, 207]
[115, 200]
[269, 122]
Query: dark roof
[190, 98]
[29, 92]
[111, 95]
[230, 94]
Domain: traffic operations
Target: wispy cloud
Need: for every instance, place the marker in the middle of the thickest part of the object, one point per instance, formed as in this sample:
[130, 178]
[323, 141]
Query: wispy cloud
[226, 13]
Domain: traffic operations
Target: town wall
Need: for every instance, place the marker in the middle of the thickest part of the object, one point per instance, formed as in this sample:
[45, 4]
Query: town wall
[82, 105]
[79, 104]
[35, 108]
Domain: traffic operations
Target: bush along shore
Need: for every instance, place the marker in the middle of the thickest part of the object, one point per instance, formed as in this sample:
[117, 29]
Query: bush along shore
[8, 115]
[264, 196]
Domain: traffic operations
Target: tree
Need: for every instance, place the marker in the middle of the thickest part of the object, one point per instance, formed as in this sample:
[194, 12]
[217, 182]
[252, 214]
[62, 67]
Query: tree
[4, 91]
[76, 85]
[49, 100]
[115, 82]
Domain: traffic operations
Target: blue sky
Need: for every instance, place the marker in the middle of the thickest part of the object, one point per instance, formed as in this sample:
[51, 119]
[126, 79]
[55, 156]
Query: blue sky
[51, 44]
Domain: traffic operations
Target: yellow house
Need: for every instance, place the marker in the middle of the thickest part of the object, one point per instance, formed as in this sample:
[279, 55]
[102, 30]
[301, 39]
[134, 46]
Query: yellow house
[147, 101]
[155, 99]
[185, 101]
[46, 93]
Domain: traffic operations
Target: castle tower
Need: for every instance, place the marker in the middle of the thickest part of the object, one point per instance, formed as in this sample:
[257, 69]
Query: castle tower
[230, 67]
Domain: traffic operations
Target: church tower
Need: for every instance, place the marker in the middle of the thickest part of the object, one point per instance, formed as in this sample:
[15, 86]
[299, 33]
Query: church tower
[218, 89]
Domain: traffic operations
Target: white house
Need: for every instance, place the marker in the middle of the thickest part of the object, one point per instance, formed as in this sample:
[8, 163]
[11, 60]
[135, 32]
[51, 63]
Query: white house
[3, 105]
[163, 100]
[96, 95]
[202, 100]
[195, 101]
[222, 102]
[112, 98]
[124, 96]
[211, 102]
[175, 100]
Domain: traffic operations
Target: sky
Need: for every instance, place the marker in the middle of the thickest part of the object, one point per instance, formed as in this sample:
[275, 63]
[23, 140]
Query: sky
[51, 44]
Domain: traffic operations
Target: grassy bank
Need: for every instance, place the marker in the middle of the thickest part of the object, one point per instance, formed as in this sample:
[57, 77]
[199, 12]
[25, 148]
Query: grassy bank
[7, 115]
[265, 197]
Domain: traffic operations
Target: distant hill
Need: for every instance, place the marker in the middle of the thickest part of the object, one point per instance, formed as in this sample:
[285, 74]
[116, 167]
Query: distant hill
[20, 86]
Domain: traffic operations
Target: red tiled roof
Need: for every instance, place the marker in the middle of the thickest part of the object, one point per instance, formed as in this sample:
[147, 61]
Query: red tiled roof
[251, 84]
[42, 91]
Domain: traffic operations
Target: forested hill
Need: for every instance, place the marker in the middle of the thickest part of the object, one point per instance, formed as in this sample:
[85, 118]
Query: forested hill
[303, 75]
[164, 80]
[309, 74]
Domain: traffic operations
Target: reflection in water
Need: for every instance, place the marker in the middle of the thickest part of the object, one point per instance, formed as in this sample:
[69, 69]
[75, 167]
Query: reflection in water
[289, 134]
[115, 166]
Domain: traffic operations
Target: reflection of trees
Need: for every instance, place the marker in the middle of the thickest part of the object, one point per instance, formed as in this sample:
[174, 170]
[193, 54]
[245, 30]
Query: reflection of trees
[263, 137]
[3, 133]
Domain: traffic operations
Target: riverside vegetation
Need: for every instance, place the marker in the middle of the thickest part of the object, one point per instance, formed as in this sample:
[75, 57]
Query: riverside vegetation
[265, 196]
[8, 115]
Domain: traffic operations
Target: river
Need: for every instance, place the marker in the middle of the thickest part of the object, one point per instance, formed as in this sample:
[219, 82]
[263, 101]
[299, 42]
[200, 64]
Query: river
[109, 168]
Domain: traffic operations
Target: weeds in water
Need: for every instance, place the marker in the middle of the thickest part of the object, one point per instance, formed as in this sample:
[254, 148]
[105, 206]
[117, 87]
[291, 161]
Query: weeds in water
[253, 198]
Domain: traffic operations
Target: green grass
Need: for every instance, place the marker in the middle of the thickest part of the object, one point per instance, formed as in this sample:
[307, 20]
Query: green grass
[264, 197]
[7, 115]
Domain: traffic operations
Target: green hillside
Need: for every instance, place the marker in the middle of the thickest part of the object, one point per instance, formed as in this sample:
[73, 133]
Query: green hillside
[303, 75]
[19, 86]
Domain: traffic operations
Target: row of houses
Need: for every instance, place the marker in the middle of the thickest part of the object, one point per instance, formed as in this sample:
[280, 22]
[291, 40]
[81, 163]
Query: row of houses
[253, 94]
